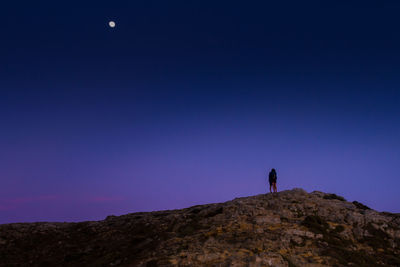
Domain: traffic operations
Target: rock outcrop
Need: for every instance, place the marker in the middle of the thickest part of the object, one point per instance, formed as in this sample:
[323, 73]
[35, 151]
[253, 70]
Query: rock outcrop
[289, 228]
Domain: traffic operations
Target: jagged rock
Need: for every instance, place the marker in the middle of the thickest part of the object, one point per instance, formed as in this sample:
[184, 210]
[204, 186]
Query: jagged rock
[267, 220]
[289, 228]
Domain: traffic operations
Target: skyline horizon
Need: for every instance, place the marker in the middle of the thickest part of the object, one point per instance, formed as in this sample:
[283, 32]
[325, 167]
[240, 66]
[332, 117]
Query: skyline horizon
[183, 103]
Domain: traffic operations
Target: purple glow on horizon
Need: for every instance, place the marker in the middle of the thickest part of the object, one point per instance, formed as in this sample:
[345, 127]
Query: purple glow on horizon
[193, 103]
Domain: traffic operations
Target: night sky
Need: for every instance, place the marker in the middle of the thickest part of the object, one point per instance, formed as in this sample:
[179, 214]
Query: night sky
[193, 102]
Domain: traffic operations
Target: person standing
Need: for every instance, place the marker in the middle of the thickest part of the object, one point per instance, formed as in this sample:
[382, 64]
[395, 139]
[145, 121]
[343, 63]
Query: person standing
[272, 180]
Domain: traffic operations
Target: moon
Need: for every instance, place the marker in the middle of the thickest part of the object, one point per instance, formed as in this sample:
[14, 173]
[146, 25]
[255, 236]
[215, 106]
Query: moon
[111, 24]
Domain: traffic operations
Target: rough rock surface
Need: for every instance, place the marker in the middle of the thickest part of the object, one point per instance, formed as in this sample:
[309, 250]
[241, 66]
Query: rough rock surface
[289, 228]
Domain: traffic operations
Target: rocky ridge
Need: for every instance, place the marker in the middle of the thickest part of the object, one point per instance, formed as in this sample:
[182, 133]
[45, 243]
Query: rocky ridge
[289, 228]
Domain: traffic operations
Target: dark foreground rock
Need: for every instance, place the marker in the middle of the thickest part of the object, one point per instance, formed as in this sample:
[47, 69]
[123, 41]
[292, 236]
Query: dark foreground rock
[290, 228]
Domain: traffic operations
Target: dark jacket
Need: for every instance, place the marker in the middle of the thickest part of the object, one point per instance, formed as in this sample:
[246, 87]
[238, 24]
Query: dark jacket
[272, 177]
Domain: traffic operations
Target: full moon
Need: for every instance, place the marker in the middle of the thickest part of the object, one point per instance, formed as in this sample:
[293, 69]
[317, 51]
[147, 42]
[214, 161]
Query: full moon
[111, 24]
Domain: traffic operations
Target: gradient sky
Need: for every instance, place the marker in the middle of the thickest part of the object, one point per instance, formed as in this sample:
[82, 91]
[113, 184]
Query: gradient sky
[193, 102]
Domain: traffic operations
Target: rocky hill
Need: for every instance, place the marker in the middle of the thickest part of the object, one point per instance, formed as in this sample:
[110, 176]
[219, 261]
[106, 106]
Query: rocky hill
[289, 228]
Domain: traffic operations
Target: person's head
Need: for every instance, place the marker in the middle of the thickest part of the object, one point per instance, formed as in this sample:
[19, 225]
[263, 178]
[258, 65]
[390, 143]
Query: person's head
[273, 170]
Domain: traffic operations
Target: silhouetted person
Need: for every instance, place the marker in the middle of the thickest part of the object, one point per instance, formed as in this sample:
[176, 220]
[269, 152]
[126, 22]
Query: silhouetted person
[272, 180]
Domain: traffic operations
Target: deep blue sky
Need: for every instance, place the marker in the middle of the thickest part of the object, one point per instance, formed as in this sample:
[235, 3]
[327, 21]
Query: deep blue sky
[192, 102]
